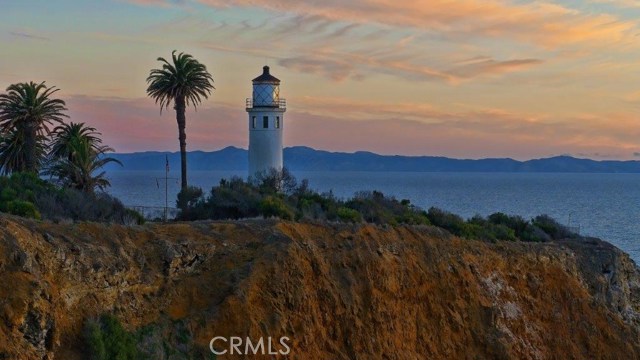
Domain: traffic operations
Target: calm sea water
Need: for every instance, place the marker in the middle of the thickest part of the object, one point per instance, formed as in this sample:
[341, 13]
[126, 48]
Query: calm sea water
[602, 205]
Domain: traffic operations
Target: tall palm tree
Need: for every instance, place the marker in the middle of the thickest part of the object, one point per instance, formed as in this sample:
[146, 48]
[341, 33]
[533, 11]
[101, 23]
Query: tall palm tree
[26, 111]
[79, 156]
[184, 82]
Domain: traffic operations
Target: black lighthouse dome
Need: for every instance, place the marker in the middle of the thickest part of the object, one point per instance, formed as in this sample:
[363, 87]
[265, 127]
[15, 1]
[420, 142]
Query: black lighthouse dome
[266, 77]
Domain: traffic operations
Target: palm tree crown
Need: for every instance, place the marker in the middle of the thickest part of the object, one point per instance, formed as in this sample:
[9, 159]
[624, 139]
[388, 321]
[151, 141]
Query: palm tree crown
[77, 153]
[65, 135]
[184, 82]
[26, 111]
[186, 78]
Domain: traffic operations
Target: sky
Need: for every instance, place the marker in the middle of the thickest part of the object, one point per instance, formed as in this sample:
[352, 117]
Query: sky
[465, 79]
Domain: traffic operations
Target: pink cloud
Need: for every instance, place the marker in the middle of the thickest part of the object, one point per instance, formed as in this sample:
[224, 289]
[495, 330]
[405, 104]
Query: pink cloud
[401, 128]
[136, 125]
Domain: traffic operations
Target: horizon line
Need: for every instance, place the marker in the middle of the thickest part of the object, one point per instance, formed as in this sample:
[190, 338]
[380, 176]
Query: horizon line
[577, 157]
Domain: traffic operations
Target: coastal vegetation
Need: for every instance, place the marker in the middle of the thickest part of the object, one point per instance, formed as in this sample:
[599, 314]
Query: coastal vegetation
[183, 82]
[278, 194]
[26, 194]
[70, 154]
[105, 338]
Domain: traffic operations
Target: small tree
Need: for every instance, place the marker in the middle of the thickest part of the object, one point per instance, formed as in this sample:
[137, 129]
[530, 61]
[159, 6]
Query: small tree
[275, 181]
[77, 155]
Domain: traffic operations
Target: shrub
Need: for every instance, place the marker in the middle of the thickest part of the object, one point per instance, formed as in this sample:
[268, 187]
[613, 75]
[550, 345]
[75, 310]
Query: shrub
[188, 197]
[93, 337]
[81, 206]
[377, 208]
[488, 230]
[272, 206]
[550, 226]
[27, 195]
[274, 181]
[106, 339]
[349, 215]
[444, 219]
[22, 208]
[276, 195]
[517, 223]
[132, 217]
[414, 216]
[187, 200]
[534, 234]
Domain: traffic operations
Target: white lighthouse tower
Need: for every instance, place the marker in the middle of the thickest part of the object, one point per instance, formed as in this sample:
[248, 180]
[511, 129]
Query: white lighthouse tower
[266, 123]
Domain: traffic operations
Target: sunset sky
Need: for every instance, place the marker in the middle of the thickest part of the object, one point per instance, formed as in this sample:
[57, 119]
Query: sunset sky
[466, 79]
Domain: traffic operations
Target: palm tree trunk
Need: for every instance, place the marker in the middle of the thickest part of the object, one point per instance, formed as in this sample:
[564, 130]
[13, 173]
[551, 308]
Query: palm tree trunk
[30, 144]
[182, 137]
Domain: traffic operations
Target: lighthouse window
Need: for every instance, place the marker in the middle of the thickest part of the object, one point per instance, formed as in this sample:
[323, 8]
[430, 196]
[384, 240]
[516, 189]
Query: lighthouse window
[277, 122]
[254, 122]
[265, 122]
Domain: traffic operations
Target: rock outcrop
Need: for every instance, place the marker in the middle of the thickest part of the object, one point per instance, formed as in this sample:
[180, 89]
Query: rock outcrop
[336, 291]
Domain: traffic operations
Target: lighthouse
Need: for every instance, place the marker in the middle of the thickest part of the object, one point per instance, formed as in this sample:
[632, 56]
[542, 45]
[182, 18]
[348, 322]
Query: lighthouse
[266, 123]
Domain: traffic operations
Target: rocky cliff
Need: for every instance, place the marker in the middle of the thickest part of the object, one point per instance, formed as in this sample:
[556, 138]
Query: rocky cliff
[337, 291]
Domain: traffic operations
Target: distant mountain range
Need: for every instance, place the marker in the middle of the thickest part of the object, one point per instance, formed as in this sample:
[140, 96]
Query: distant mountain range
[300, 158]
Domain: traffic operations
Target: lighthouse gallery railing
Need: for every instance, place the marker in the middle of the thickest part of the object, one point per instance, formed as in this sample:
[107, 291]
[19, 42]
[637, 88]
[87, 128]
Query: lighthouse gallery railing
[281, 104]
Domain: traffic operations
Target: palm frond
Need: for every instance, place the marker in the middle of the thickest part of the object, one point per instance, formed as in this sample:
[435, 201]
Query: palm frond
[77, 153]
[27, 110]
[184, 78]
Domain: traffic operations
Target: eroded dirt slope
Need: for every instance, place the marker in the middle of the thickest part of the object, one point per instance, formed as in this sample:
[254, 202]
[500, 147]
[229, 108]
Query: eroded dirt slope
[337, 291]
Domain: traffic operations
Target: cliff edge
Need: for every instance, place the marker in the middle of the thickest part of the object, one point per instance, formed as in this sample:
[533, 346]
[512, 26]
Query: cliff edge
[336, 291]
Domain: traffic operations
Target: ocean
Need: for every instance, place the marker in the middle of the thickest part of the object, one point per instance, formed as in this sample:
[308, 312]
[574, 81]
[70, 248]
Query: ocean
[601, 205]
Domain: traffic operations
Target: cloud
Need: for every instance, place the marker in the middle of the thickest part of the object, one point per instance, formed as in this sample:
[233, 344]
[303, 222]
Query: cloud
[155, 2]
[597, 155]
[339, 67]
[27, 35]
[341, 124]
[620, 3]
[632, 97]
[540, 23]
[136, 124]
[491, 66]
[414, 128]
[333, 69]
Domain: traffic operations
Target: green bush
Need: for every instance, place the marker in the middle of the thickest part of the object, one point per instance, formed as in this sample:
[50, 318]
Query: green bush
[273, 206]
[18, 194]
[279, 195]
[25, 194]
[377, 208]
[446, 220]
[413, 217]
[188, 197]
[106, 339]
[133, 217]
[550, 226]
[22, 208]
[499, 227]
[349, 215]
